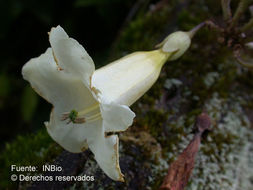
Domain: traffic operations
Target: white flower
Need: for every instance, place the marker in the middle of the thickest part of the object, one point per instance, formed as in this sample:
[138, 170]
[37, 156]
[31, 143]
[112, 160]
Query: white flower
[94, 102]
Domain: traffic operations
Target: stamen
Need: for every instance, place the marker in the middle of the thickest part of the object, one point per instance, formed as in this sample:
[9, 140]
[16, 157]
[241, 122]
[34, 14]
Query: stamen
[79, 120]
[78, 117]
[65, 116]
[89, 109]
[73, 115]
[93, 117]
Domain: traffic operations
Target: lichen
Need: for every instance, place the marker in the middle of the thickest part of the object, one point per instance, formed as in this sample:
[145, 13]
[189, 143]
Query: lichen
[210, 79]
[169, 83]
[221, 160]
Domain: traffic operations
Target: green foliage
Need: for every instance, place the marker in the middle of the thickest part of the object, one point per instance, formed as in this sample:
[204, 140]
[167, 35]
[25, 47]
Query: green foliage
[33, 149]
[29, 103]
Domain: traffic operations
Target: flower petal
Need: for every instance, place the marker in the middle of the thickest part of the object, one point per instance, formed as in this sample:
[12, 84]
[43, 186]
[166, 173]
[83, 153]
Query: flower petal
[72, 137]
[70, 55]
[63, 90]
[77, 137]
[107, 156]
[124, 81]
[116, 117]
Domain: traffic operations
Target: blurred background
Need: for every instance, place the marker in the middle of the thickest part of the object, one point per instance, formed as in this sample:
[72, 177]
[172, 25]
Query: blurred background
[207, 77]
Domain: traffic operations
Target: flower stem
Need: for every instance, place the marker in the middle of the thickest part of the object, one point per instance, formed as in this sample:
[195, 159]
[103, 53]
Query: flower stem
[193, 31]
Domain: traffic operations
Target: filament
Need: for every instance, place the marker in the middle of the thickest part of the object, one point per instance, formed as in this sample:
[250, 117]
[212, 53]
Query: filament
[89, 109]
[79, 117]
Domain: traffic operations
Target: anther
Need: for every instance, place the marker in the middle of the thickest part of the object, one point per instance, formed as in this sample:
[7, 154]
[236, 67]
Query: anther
[73, 117]
[78, 117]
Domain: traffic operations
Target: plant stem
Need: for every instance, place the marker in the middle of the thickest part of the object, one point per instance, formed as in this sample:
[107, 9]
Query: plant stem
[239, 11]
[243, 63]
[193, 31]
[248, 26]
[225, 4]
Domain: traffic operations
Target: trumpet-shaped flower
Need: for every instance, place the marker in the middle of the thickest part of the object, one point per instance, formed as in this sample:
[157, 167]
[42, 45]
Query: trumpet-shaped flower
[88, 103]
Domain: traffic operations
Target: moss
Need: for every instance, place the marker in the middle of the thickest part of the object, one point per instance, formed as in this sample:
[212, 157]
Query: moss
[187, 20]
[155, 120]
[34, 149]
[139, 36]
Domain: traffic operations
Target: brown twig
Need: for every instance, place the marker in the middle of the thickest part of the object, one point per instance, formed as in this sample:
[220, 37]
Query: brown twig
[213, 26]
